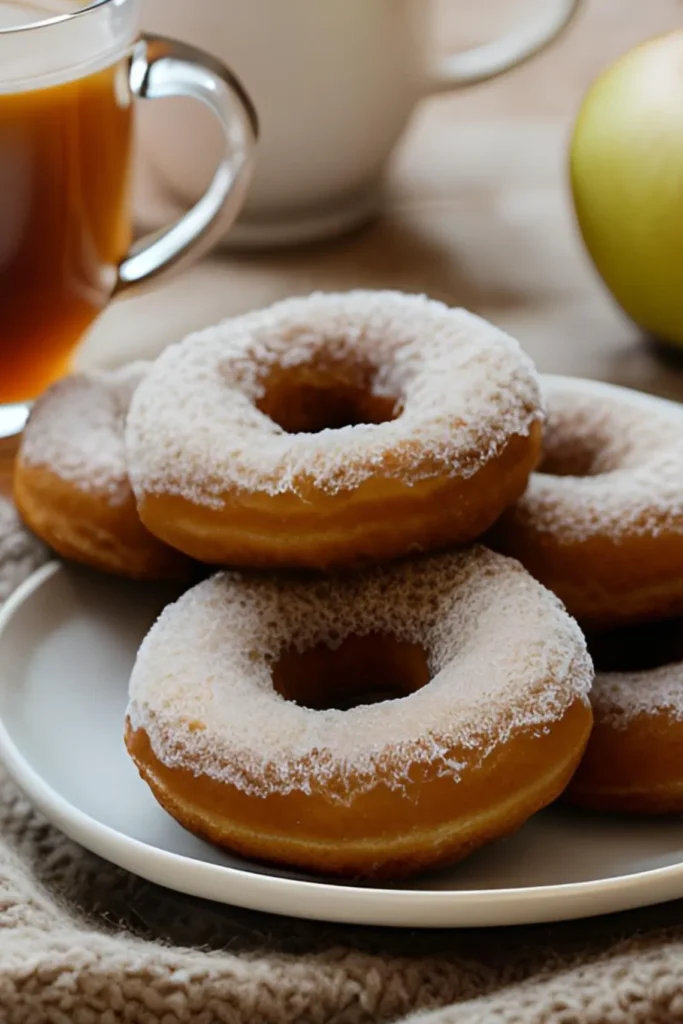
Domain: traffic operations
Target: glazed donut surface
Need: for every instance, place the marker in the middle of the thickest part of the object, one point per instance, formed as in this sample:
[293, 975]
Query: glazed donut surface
[242, 720]
[333, 430]
[633, 760]
[71, 481]
[601, 523]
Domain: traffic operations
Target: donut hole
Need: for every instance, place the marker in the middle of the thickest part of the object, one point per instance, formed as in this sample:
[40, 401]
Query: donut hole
[361, 670]
[596, 446]
[306, 400]
[580, 456]
[637, 648]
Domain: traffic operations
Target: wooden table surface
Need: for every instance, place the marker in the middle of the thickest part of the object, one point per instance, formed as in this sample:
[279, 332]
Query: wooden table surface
[477, 213]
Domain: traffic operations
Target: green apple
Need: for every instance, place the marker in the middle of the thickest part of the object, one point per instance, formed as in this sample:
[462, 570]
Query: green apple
[627, 183]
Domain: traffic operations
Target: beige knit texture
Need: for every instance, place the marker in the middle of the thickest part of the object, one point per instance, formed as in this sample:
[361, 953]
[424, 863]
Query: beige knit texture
[82, 942]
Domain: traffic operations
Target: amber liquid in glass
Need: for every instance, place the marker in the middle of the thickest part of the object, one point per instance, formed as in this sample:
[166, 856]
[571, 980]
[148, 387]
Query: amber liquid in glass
[64, 220]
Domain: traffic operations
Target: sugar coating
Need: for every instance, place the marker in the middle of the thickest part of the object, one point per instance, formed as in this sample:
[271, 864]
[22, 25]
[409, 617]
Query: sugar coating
[630, 450]
[464, 386]
[76, 430]
[502, 652]
[619, 697]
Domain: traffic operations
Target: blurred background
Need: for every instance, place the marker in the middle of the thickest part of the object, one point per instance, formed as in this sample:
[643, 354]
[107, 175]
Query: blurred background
[554, 83]
[477, 213]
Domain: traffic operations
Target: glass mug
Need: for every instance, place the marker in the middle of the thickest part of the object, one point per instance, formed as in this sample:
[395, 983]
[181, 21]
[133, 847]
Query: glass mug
[69, 75]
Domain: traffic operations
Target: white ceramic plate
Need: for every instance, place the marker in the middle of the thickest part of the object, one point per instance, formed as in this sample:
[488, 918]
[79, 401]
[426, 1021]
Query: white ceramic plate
[67, 643]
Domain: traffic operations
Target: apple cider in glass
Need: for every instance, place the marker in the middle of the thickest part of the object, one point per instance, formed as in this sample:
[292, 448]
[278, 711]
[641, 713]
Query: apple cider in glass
[64, 220]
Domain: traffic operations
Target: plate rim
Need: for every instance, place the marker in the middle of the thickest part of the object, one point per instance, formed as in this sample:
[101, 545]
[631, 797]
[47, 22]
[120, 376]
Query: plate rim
[312, 899]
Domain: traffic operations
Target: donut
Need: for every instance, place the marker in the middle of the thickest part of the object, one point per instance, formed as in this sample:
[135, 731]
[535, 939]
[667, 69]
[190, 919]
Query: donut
[601, 523]
[367, 724]
[633, 760]
[71, 484]
[333, 430]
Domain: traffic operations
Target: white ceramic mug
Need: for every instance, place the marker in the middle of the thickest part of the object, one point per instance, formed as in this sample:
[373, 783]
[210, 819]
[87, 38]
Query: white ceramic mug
[334, 83]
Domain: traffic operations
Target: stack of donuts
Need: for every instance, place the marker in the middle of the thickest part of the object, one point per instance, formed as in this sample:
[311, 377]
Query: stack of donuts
[352, 682]
[601, 524]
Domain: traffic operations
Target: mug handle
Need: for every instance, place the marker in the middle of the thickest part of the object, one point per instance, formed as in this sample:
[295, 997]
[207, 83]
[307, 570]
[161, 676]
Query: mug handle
[161, 68]
[500, 55]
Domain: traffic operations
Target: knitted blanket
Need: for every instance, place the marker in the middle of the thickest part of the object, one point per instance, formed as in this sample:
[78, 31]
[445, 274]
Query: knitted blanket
[83, 942]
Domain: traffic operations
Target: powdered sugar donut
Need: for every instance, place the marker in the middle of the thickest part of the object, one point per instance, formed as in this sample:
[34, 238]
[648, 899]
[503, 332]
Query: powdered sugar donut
[331, 430]
[71, 482]
[235, 717]
[601, 523]
[633, 759]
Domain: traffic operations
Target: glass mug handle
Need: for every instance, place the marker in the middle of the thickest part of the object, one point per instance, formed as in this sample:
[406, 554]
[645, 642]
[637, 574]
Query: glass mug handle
[500, 55]
[162, 68]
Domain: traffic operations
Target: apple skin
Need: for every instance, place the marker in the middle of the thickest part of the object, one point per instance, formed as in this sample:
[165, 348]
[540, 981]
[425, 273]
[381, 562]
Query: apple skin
[627, 182]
